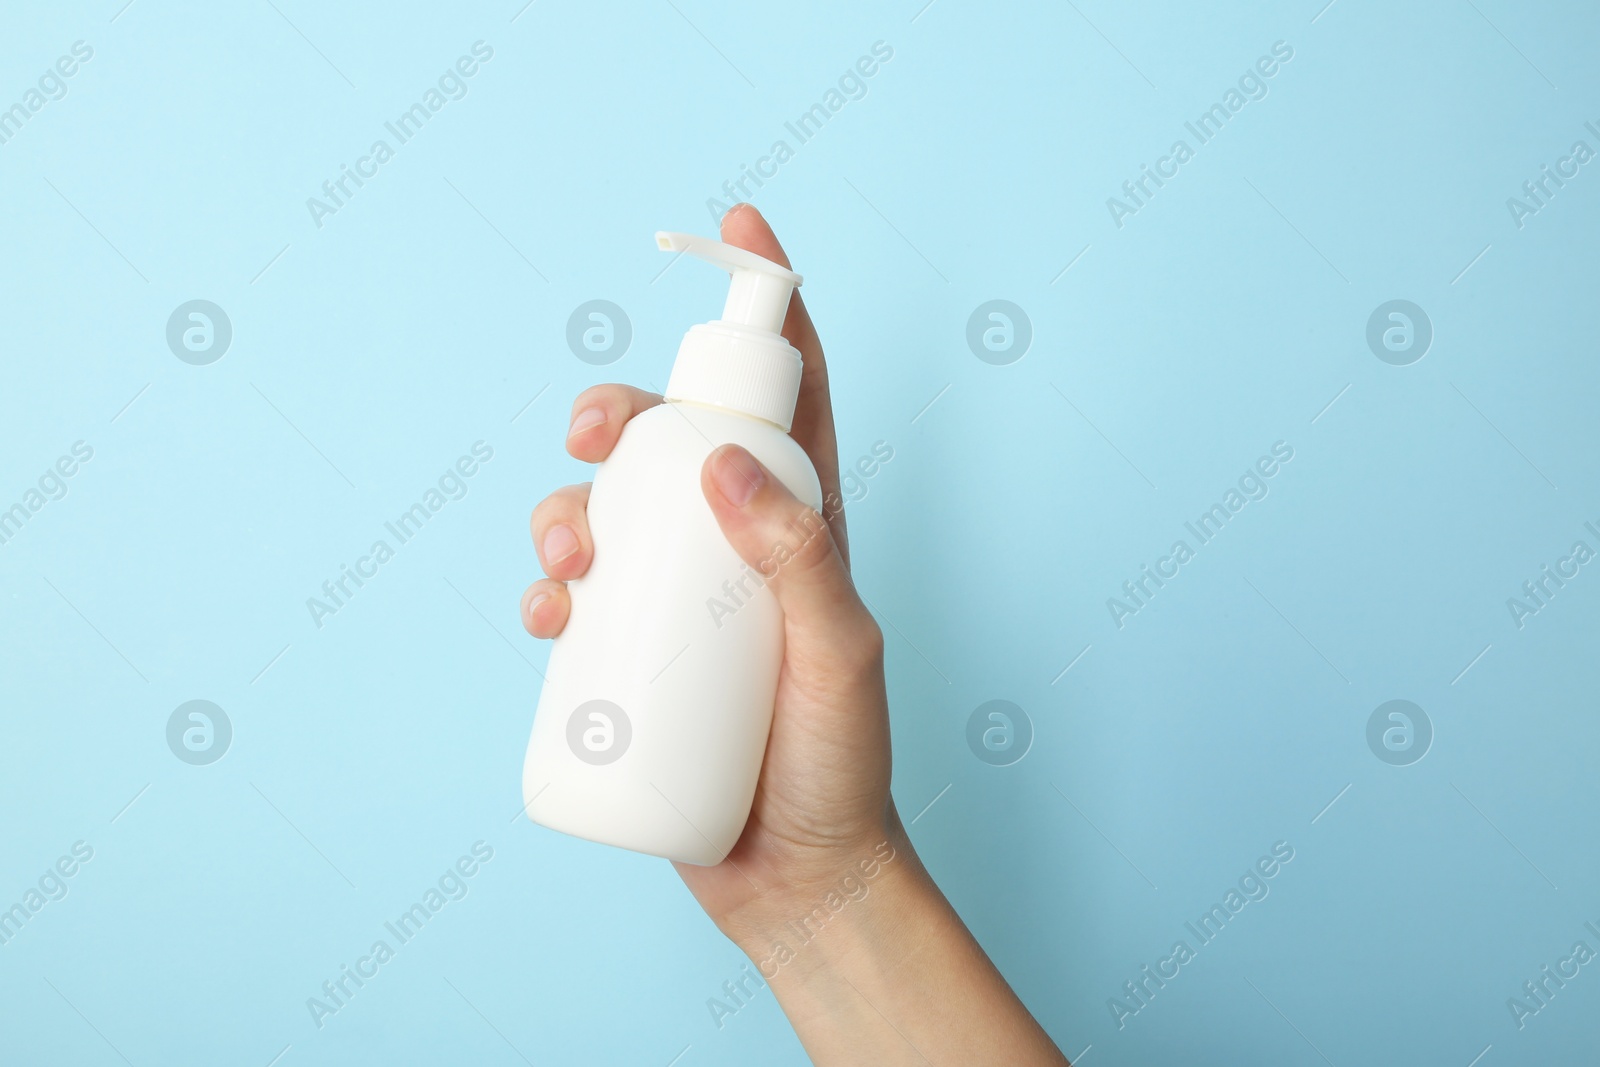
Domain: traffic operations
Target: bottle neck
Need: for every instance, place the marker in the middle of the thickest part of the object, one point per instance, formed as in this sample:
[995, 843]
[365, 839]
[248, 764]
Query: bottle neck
[725, 365]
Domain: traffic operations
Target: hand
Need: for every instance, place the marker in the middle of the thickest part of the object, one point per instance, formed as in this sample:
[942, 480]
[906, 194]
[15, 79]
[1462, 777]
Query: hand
[893, 975]
[822, 803]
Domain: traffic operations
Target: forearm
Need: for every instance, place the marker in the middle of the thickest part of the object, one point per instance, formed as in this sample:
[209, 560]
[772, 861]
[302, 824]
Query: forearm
[893, 976]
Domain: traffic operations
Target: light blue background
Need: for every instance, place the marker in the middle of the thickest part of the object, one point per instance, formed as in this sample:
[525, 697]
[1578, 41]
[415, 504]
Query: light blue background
[426, 315]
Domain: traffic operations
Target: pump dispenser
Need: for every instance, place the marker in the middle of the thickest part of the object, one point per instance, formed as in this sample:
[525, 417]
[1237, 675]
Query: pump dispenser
[658, 697]
[741, 360]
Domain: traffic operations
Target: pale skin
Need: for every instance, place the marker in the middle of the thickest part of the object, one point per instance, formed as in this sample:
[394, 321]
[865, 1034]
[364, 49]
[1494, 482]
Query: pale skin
[893, 976]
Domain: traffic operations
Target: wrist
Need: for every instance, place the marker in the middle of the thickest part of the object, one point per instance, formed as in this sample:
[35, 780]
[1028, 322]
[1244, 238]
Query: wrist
[870, 908]
[873, 965]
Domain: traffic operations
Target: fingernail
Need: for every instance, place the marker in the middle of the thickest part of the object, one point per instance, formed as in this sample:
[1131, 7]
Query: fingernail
[533, 605]
[559, 543]
[737, 475]
[587, 419]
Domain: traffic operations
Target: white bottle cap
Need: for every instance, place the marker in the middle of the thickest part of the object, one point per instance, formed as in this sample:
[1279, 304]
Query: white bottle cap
[740, 361]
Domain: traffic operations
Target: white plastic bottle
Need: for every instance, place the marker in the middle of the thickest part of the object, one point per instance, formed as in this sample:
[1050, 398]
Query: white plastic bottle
[658, 697]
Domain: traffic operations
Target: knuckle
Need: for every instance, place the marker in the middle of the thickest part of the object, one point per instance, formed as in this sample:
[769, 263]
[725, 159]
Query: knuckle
[605, 395]
[813, 540]
[801, 545]
[566, 503]
[863, 644]
[542, 513]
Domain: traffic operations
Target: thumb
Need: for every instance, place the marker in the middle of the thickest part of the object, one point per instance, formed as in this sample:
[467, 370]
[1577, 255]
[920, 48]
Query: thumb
[787, 542]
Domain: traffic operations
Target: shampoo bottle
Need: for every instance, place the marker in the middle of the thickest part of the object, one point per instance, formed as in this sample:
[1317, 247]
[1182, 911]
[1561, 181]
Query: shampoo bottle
[658, 696]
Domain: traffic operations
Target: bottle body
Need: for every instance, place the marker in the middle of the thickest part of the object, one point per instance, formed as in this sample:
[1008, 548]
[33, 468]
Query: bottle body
[653, 719]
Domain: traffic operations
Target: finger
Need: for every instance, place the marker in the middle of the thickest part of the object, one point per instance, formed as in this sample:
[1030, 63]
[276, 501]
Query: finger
[560, 526]
[792, 548]
[813, 428]
[545, 606]
[598, 416]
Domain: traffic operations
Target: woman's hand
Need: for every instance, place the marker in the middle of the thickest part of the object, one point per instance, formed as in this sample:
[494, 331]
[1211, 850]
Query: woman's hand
[863, 969]
[822, 803]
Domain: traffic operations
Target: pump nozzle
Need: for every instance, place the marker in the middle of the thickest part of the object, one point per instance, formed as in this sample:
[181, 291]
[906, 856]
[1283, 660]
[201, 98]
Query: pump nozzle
[740, 361]
[758, 296]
